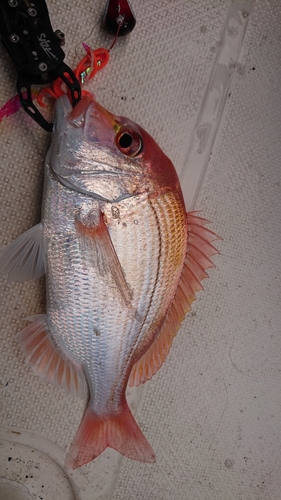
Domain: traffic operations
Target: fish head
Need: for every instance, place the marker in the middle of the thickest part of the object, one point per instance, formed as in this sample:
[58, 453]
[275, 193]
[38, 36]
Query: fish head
[105, 156]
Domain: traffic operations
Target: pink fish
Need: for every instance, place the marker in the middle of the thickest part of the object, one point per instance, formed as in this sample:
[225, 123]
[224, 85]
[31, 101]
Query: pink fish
[123, 262]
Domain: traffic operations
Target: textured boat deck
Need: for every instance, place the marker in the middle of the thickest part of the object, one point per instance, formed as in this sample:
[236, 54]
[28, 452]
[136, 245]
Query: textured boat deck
[204, 79]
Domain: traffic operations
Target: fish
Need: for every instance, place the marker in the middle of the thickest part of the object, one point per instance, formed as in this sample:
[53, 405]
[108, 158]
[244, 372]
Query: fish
[123, 262]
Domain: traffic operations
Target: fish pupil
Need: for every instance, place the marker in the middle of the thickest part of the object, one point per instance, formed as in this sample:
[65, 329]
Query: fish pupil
[125, 141]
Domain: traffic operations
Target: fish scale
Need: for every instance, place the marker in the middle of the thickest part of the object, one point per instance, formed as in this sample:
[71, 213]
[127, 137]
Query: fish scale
[86, 305]
[123, 262]
[107, 356]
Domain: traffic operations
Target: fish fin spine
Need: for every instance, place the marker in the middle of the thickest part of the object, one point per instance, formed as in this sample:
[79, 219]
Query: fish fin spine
[46, 359]
[199, 251]
[119, 431]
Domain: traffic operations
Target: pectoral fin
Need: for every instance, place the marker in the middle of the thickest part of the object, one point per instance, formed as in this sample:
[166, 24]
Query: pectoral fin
[97, 242]
[24, 259]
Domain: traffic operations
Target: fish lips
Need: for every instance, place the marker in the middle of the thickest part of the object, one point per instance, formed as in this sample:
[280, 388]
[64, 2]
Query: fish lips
[87, 121]
[83, 157]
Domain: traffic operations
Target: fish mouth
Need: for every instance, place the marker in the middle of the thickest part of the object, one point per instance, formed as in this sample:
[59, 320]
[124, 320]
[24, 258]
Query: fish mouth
[65, 115]
[62, 109]
[82, 137]
[83, 152]
[78, 115]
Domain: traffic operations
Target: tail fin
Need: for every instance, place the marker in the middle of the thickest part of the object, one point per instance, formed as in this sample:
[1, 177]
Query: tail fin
[118, 431]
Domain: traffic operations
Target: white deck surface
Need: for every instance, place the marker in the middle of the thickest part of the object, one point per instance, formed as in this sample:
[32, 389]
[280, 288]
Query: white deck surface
[204, 78]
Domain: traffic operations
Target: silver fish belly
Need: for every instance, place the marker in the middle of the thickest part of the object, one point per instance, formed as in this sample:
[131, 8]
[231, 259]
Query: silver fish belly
[97, 321]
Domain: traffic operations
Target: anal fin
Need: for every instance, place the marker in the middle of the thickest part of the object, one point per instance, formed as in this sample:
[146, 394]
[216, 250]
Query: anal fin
[199, 251]
[46, 360]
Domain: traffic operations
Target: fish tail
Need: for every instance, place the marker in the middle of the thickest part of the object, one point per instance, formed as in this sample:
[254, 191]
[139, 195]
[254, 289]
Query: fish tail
[119, 431]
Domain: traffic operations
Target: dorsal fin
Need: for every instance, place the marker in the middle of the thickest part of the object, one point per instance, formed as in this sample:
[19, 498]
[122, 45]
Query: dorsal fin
[199, 251]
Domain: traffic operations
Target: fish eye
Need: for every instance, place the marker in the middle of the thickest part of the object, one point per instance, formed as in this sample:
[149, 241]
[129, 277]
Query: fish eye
[125, 140]
[129, 142]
